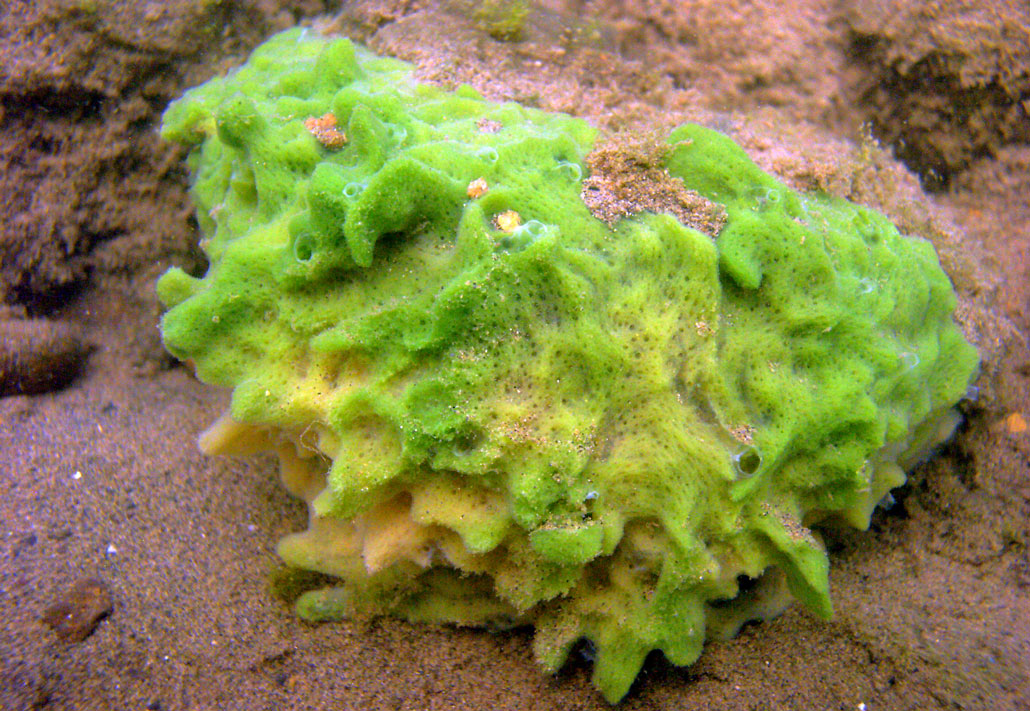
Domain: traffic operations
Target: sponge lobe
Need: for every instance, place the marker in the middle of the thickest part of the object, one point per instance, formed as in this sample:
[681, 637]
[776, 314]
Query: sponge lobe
[600, 430]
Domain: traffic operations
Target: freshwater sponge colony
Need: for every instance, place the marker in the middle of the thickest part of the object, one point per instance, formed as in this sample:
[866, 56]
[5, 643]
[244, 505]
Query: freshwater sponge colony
[500, 409]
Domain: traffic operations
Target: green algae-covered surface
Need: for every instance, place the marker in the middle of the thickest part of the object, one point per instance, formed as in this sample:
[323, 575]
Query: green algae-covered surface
[594, 430]
[572, 437]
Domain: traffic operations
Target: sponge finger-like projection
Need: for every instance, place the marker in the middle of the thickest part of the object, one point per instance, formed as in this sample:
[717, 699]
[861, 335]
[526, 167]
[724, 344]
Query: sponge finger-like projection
[502, 410]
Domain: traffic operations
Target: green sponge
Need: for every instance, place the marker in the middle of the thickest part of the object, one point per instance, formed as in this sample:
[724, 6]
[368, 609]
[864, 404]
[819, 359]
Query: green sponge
[503, 410]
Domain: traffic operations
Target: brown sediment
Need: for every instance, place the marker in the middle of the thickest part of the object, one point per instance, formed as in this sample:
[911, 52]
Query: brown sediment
[76, 612]
[944, 83]
[628, 176]
[104, 477]
[39, 355]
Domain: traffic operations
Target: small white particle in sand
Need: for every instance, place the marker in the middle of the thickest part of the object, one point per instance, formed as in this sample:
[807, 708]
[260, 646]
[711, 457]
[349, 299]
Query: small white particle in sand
[111, 550]
[77, 475]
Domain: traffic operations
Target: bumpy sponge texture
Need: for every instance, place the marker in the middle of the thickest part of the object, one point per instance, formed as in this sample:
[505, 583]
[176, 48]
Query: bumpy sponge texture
[601, 432]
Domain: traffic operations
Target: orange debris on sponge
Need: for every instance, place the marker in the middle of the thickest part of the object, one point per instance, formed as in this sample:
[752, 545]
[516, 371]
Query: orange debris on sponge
[508, 221]
[477, 187]
[323, 128]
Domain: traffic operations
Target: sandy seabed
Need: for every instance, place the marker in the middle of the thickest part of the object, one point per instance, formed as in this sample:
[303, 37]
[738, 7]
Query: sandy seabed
[104, 480]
